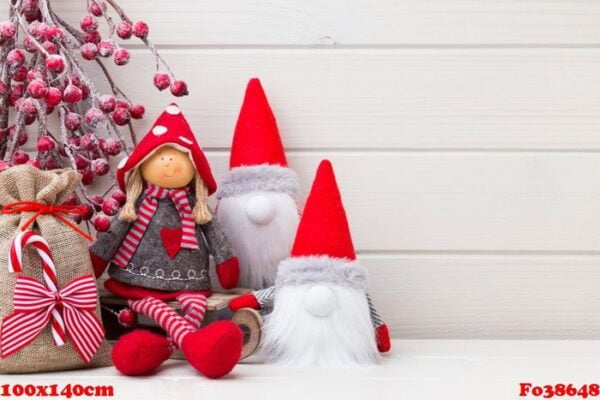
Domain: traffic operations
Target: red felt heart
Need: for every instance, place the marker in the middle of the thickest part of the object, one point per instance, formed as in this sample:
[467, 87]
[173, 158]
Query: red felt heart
[171, 238]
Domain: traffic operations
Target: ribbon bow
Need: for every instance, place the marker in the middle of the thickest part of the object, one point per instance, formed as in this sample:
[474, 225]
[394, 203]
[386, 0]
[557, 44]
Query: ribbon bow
[69, 310]
[40, 209]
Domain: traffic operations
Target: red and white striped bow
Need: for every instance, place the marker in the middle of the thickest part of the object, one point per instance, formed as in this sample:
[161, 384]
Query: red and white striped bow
[69, 310]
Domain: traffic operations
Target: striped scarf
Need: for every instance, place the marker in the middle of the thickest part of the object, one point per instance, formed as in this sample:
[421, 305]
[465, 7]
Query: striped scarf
[145, 214]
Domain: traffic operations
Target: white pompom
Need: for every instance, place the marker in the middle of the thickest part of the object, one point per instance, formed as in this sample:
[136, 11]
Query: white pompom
[260, 210]
[319, 301]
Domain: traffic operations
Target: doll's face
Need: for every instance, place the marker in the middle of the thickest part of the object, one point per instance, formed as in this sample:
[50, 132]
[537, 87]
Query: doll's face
[168, 168]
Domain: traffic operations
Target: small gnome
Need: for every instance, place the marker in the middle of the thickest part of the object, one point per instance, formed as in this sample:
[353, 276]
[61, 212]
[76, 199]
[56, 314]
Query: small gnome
[258, 198]
[322, 314]
[158, 250]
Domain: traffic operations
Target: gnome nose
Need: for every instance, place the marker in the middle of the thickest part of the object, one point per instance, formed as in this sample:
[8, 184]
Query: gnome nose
[319, 301]
[260, 210]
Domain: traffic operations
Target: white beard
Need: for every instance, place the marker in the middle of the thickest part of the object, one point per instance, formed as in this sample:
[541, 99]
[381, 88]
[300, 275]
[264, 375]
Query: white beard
[293, 336]
[259, 248]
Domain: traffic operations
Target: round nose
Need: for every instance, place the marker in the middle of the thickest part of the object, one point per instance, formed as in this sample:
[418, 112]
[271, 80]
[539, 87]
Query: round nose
[260, 210]
[319, 301]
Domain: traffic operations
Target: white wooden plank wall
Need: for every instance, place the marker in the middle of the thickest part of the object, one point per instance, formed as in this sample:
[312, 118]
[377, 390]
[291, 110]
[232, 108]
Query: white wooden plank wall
[465, 135]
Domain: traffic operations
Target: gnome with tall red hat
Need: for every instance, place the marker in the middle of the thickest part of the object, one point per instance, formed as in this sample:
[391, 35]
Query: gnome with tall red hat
[158, 250]
[259, 196]
[322, 313]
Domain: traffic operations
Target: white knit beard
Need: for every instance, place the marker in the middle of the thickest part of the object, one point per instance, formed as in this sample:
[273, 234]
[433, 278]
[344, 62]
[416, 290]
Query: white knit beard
[259, 248]
[295, 337]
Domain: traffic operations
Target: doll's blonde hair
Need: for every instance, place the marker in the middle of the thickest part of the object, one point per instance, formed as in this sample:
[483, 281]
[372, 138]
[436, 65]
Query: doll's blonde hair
[135, 184]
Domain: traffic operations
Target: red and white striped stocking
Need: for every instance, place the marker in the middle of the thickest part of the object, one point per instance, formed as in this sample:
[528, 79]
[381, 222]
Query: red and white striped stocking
[176, 326]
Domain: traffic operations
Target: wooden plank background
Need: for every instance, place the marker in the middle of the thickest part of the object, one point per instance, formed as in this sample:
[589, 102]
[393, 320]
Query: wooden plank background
[465, 135]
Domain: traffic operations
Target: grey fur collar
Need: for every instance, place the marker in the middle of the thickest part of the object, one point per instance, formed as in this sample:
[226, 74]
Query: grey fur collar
[264, 177]
[316, 269]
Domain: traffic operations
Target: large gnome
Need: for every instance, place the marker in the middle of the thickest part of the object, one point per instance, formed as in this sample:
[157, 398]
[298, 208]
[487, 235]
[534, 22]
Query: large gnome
[322, 314]
[158, 250]
[258, 198]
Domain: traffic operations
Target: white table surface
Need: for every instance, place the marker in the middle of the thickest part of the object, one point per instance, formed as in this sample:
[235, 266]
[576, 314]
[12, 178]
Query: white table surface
[416, 369]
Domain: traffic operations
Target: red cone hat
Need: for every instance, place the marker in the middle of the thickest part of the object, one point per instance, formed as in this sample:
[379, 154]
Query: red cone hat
[256, 138]
[170, 129]
[323, 229]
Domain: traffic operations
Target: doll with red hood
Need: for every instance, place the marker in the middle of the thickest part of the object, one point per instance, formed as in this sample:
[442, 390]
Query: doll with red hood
[158, 250]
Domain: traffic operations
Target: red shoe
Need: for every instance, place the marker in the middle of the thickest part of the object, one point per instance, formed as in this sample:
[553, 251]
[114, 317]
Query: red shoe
[140, 352]
[214, 350]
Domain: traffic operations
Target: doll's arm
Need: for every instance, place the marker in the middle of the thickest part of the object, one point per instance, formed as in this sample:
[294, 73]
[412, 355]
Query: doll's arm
[382, 333]
[107, 243]
[257, 300]
[228, 269]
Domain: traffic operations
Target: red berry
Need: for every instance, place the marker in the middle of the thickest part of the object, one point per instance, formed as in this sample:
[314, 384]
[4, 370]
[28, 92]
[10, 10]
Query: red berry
[45, 144]
[87, 176]
[72, 94]
[97, 201]
[55, 63]
[88, 211]
[161, 80]
[119, 196]
[4, 165]
[16, 92]
[81, 162]
[54, 33]
[120, 116]
[7, 30]
[37, 30]
[94, 117]
[15, 58]
[20, 157]
[111, 147]
[106, 48]
[28, 107]
[97, 8]
[137, 111]
[19, 74]
[50, 47]
[29, 118]
[89, 142]
[140, 29]
[71, 200]
[92, 37]
[53, 97]
[110, 206]
[35, 73]
[124, 104]
[74, 79]
[101, 223]
[4, 89]
[100, 166]
[107, 103]
[34, 163]
[85, 91]
[124, 30]
[49, 109]
[121, 56]
[72, 121]
[22, 137]
[37, 89]
[89, 51]
[29, 45]
[179, 88]
[75, 217]
[127, 318]
[88, 23]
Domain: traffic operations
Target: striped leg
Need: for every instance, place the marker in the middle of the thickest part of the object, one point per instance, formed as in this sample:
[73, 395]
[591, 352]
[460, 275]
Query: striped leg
[194, 307]
[175, 325]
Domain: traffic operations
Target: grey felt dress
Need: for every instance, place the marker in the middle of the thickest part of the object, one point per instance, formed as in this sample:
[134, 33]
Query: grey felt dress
[151, 267]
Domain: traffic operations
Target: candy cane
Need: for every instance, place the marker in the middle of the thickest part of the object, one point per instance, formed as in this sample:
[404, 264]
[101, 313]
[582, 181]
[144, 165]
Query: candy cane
[15, 260]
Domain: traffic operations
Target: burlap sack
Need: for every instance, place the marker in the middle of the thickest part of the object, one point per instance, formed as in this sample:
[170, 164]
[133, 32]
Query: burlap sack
[70, 251]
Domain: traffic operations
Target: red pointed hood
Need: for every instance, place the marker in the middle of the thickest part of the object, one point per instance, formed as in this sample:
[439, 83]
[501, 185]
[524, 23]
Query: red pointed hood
[323, 229]
[256, 138]
[170, 129]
